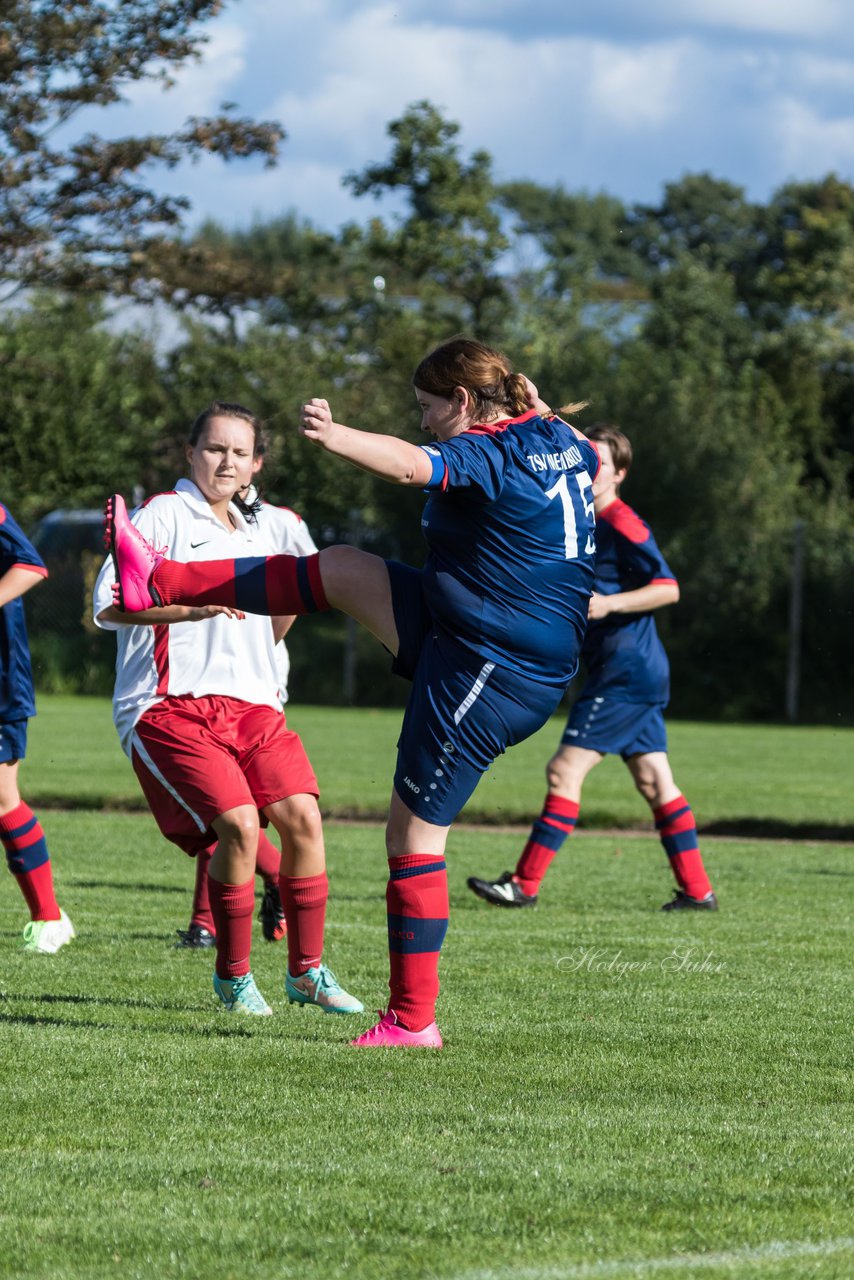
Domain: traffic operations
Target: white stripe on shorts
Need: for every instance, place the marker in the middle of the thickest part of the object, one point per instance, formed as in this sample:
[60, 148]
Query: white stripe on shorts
[485, 672]
[137, 746]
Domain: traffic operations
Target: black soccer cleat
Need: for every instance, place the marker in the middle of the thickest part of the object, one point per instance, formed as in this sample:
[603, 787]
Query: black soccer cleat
[196, 938]
[272, 914]
[682, 901]
[504, 892]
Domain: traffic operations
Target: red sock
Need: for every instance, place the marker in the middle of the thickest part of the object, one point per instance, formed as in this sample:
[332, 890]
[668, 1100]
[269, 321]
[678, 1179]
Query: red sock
[28, 859]
[417, 906]
[268, 861]
[304, 900]
[555, 823]
[269, 585]
[201, 912]
[233, 906]
[677, 828]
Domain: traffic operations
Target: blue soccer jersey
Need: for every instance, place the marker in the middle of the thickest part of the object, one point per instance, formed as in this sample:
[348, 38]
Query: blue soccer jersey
[17, 698]
[623, 654]
[511, 535]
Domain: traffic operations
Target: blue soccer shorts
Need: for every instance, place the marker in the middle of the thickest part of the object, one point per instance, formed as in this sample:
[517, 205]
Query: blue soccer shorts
[464, 709]
[13, 741]
[613, 727]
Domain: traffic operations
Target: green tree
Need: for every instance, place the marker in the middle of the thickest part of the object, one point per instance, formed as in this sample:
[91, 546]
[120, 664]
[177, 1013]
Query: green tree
[82, 407]
[579, 239]
[702, 219]
[81, 214]
[446, 248]
[807, 259]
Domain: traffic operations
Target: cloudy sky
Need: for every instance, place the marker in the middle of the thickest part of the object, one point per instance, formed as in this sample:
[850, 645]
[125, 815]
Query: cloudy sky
[597, 95]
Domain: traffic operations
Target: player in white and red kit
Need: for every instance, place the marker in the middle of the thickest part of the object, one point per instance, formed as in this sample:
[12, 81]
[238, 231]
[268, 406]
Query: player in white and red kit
[620, 707]
[197, 709]
[287, 531]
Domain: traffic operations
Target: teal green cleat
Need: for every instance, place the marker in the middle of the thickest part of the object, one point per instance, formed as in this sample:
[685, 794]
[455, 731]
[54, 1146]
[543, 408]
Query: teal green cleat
[240, 995]
[47, 936]
[319, 986]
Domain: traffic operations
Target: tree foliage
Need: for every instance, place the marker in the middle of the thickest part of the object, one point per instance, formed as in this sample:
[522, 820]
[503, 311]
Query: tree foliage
[78, 212]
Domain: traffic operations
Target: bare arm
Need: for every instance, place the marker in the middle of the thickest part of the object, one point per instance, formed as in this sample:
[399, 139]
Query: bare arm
[167, 614]
[16, 581]
[642, 600]
[383, 456]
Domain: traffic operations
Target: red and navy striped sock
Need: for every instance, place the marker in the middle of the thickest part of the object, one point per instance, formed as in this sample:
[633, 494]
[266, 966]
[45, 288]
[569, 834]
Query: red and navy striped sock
[677, 828]
[555, 823]
[232, 906]
[304, 900]
[269, 585]
[417, 907]
[29, 861]
[201, 913]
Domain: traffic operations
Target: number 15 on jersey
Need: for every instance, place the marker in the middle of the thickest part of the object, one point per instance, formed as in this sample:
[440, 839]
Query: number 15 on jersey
[576, 500]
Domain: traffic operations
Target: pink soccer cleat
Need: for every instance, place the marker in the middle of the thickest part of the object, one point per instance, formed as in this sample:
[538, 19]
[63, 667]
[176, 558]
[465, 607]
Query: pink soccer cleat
[389, 1032]
[134, 558]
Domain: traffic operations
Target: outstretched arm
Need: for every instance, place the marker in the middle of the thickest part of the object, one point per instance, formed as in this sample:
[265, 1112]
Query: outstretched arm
[384, 456]
[655, 595]
[16, 581]
[165, 615]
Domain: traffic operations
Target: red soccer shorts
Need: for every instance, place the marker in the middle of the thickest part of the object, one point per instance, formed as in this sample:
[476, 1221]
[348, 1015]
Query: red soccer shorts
[195, 758]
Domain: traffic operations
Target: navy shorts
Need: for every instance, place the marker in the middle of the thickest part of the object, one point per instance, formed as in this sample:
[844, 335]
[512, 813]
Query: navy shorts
[13, 741]
[615, 728]
[464, 709]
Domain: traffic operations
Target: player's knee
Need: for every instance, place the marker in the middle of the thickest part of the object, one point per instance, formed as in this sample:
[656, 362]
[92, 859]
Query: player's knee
[240, 828]
[560, 776]
[302, 818]
[647, 784]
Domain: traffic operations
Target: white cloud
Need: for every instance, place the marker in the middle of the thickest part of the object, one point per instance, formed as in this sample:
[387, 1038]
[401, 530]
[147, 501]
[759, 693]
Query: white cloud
[601, 96]
[834, 74]
[637, 88]
[810, 146]
[810, 19]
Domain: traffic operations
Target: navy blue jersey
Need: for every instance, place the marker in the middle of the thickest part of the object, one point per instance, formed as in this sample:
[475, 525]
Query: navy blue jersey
[511, 532]
[623, 653]
[17, 699]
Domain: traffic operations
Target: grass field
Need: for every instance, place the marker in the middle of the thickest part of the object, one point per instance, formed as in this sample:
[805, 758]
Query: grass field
[738, 777]
[623, 1093]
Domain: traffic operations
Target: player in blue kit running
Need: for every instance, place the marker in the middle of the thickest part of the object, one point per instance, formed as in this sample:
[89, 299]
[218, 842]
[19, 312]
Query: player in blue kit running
[620, 708]
[21, 568]
[489, 631]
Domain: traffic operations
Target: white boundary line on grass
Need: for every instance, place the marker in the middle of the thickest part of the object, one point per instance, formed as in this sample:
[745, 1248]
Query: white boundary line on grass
[776, 1250]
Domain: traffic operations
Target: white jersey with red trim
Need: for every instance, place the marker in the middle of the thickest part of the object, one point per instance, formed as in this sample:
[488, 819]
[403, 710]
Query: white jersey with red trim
[225, 656]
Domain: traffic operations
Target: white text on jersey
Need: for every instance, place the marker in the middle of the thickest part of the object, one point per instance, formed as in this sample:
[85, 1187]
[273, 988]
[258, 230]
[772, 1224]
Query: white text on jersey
[564, 461]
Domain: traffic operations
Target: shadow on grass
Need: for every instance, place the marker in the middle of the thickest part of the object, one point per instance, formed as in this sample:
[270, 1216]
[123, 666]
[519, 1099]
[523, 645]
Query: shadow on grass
[772, 829]
[37, 1020]
[243, 1028]
[126, 1003]
[123, 885]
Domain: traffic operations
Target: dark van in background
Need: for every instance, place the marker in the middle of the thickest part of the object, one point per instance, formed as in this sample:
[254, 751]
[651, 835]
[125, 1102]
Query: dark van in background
[69, 653]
